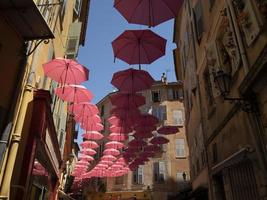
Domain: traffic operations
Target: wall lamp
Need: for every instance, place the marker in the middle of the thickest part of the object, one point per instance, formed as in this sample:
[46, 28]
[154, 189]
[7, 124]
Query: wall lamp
[222, 81]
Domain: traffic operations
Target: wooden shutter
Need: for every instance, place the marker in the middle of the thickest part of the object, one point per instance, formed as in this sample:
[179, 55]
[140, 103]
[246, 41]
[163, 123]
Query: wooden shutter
[156, 171]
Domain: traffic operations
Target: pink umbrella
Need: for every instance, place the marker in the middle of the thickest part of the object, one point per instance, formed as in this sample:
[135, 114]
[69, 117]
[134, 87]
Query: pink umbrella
[86, 157]
[122, 130]
[74, 93]
[117, 137]
[113, 152]
[168, 130]
[66, 71]
[117, 121]
[148, 12]
[83, 108]
[93, 136]
[144, 129]
[92, 127]
[141, 135]
[132, 80]
[102, 165]
[123, 113]
[89, 144]
[139, 47]
[114, 145]
[137, 143]
[106, 162]
[82, 162]
[85, 119]
[108, 158]
[88, 152]
[147, 120]
[127, 100]
[159, 140]
[152, 148]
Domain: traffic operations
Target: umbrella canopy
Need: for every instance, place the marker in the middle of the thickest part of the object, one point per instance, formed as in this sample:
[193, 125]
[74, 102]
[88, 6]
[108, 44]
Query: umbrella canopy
[83, 119]
[83, 109]
[145, 129]
[117, 137]
[132, 80]
[168, 130]
[137, 143]
[120, 130]
[126, 114]
[116, 121]
[148, 12]
[152, 148]
[159, 140]
[127, 100]
[74, 93]
[114, 145]
[142, 135]
[86, 157]
[92, 127]
[139, 47]
[108, 158]
[93, 136]
[106, 162]
[89, 152]
[89, 144]
[147, 120]
[66, 71]
[113, 152]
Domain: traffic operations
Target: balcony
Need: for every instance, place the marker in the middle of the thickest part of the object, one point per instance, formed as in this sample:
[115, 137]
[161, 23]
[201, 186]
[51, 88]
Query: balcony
[25, 17]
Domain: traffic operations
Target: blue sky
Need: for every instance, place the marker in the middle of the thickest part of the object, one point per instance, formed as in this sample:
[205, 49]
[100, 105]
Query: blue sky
[104, 25]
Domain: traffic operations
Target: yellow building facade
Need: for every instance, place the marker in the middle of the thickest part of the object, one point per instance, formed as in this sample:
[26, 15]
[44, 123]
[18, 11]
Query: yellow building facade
[221, 60]
[165, 175]
[34, 123]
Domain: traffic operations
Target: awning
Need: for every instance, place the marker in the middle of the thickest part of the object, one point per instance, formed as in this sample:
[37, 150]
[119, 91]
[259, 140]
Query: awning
[26, 19]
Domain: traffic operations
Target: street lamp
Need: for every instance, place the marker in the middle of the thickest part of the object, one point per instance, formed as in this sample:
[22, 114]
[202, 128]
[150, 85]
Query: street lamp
[222, 81]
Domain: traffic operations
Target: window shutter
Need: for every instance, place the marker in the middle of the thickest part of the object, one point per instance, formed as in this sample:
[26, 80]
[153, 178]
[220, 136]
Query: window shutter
[177, 117]
[170, 94]
[73, 39]
[135, 176]
[162, 171]
[156, 171]
[140, 175]
[180, 148]
[163, 113]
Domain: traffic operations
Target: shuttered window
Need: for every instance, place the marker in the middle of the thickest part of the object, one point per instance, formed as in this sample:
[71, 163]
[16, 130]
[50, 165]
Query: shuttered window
[160, 112]
[138, 175]
[180, 147]
[159, 171]
[73, 39]
[177, 116]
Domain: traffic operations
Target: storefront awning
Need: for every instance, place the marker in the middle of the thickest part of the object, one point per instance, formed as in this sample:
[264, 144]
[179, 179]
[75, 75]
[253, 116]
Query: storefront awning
[25, 17]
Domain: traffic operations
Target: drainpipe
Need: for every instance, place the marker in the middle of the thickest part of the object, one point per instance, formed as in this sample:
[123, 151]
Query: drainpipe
[238, 36]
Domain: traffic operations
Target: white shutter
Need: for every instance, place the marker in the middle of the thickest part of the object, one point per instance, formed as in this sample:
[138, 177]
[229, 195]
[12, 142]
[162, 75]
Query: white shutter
[162, 171]
[177, 117]
[180, 148]
[73, 39]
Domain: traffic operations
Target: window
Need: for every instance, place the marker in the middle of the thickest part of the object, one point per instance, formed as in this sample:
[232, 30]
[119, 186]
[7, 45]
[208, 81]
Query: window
[160, 112]
[138, 175]
[174, 94]
[73, 39]
[180, 148]
[155, 96]
[177, 116]
[159, 172]
[198, 12]
[180, 176]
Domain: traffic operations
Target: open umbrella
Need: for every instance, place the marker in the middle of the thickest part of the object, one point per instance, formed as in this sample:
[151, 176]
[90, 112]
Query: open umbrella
[123, 113]
[93, 136]
[148, 12]
[114, 145]
[117, 121]
[145, 129]
[147, 120]
[92, 127]
[74, 93]
[108, 158]
[152, 148]
[168, 130]
[66, 71]
[137, 143]
[120, 129]
[113, 152]
[159, 140]
[83, 109]
[142, 135]
[117, 137]
[86, 157]
[88, 151]
[89, 144]
[139, 47]
[132, 80]
[127, 100]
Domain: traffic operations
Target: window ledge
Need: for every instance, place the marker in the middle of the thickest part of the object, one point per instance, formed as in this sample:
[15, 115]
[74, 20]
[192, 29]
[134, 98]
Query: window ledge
[180, 157]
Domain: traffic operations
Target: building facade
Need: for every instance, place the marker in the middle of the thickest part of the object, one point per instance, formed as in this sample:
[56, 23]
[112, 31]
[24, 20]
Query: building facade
[168, 172]
[221, 59]
[36, 131]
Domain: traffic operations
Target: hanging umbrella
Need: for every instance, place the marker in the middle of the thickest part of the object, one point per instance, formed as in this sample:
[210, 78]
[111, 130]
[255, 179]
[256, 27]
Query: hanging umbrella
[132, 80]
[108, 158]
[117, 137]
[92, 127]
[130, 113]
[89, 144]
[82, 162]
[83, 109]
[120, 130]
[74, 93]
[127, 100]
[152, 148]
[168, 130]
[66, 71]
[137, 143]
[114, 145]
[142, 135]
[117, 121]
[147, 120]
[110, 151]
[139, 47]
[85, 157]
[89, 152]
[145, 129]
[83, 120]
[159, 140]
[93, 136]
[148, 12]
[106, 162]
